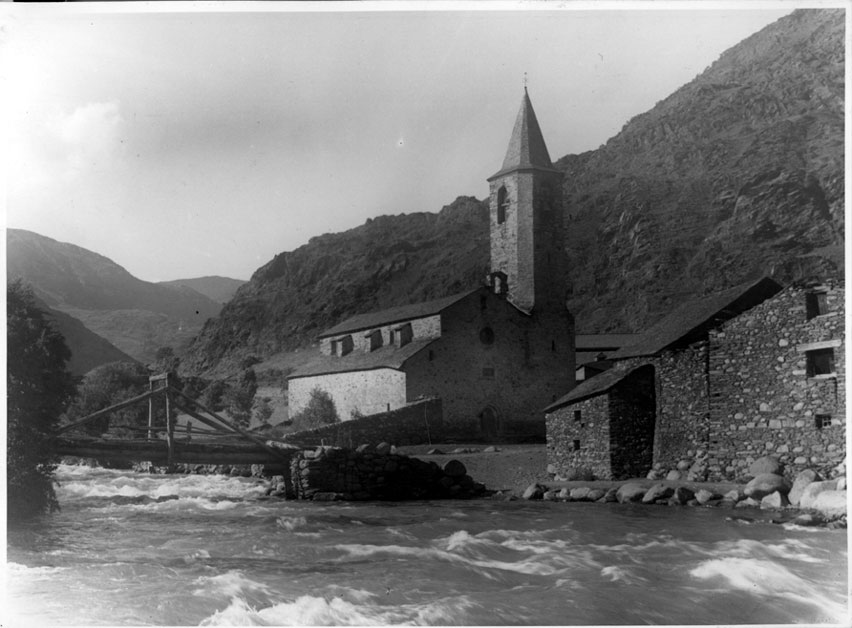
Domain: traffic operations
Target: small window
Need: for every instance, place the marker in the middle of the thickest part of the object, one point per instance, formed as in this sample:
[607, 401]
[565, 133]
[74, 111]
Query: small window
[576, 444]
[822, 420]
[553, 345]
[431, 355]
[578, 415]
[815, 304]
[486, 336]
[488, 372]
[502, 205]
[374, 339]
[403, 335]
[483, 302]
[345, 344]
[820, 362]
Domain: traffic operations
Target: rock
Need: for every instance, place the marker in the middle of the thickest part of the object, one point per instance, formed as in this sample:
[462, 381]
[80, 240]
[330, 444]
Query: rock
[564, 495]
[610, 496]
[673, 475]
[683, 465]
[808, 519]
[766, 464]
[774, 501]
[658, 492]
[327, 497]
[813, 489]
[551, 469]
[454, 468]
[808, 476]
[364, 448]
[493, 449]
[394, 449]
[653, 475]
[630, 493]
[435, 452]
[703, 496]
[579, 474]
[595, 494]
[533, 491]
[831, 504]
[551, 495]
[580, 494]
[841, 483]
[734, 495]
[766, 484]
[748, 502]
[682, 495]
[383, 448]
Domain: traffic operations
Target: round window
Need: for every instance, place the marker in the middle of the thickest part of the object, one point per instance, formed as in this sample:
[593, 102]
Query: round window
[486, 336]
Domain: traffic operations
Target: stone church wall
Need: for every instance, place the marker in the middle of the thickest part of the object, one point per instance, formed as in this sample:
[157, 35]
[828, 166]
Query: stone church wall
[354, 392]
[764, 402]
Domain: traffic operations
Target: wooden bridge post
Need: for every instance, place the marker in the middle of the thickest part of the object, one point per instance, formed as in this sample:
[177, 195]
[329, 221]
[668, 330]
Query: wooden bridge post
[150, 411]
[170, 426]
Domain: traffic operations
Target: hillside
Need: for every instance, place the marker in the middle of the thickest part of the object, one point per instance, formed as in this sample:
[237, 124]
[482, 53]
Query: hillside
[214, 287]
[737, 174]
[110, 301]
[390, 260]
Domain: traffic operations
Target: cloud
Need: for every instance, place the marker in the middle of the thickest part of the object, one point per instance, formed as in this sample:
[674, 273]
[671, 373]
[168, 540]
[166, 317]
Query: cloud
[91, 135]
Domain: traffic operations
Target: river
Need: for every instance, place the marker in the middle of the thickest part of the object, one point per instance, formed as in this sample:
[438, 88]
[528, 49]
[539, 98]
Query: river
[133, 549]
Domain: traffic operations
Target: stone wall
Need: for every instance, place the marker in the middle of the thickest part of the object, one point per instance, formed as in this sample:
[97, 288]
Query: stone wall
[413, 424]
[330, 474]
[764, 401]
[590, 430]
[421, 329]
[354, 392]
[632, 412]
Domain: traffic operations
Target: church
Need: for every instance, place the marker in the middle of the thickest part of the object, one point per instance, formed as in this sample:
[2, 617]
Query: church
[493, 355]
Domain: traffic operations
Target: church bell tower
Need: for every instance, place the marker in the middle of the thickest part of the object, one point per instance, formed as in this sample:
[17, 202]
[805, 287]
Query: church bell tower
[526, 219]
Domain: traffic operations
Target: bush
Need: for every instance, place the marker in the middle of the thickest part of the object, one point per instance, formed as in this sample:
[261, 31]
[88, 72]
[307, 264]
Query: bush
[319, 411]
[39, 389]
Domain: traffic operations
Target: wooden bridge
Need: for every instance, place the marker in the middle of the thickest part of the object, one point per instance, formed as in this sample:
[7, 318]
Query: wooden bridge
[181, 443]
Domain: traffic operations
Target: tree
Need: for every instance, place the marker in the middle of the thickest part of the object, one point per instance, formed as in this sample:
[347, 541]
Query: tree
[165, 360]
[239, 398]
[109, 384]
[319, 411]
[39, 388]
[262, 410]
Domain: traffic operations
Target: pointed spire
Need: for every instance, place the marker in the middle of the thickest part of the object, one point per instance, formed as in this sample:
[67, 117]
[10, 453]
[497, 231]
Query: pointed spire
[526, 146]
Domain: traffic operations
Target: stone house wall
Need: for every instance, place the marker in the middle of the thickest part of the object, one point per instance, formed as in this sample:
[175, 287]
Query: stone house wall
[511, 371]
[420, 422]
[632, 412]
[764, 401]
[354, 392]
[589, 430]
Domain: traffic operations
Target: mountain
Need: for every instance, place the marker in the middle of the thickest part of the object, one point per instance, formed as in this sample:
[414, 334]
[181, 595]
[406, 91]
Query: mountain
[390, 260]
[136, 316]
[737, 174]
[214, 287]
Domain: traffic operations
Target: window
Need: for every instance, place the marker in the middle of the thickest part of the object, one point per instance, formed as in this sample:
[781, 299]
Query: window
[488, 372]
[374, 339]
[553, 345]
[578, 415]
[576, 444]
[431, 355]
[502, 205]
[820, 362]
[822, 420]
[815, 304]
[345, 344]
[402, 334]
[486, 336]
[483, 302]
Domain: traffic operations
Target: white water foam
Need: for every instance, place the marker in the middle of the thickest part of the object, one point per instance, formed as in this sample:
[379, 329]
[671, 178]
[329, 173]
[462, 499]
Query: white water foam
[231, 583]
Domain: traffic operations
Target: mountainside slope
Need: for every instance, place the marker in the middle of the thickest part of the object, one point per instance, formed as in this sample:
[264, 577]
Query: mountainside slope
[110, 301]
[214, 287]
[390, 260]
[735, 175]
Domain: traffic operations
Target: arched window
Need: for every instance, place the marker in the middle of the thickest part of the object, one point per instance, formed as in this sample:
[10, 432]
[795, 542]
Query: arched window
[502, 205]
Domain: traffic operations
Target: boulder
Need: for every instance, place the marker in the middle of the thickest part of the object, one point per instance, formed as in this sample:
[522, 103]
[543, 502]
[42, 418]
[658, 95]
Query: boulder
[551, 468]
[610, 496]
[551, 495]
[435, 452]
[734, 495]
[808, 519]
[774, 501]
[808, 476]
[658, 492]
[383, 448]
[813, 489]
[492, 449]
[841, 483]
[748, 502]
[564, 495]
[454, 468]
[673, 475]
[653, 475]
[630, 493]
[595, 494]
[534, 491]
[831, 504]
[766, 484]
[766, 464]
[580, 494]
[682, 495]
[683, 465]
[362, 449]
[703, 496]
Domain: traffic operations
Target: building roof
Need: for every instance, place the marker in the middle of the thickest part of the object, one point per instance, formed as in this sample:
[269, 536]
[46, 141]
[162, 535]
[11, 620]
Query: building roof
[691, 320]
[526, 146]
[597, 385]
[388, 356]
[603, 342]
[371, 320]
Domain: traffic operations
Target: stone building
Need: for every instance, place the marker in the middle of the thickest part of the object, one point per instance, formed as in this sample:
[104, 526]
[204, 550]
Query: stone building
[723, 380]
[490, 354]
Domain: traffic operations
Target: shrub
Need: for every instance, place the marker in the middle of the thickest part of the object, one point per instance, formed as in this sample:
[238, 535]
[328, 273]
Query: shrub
[319, 411]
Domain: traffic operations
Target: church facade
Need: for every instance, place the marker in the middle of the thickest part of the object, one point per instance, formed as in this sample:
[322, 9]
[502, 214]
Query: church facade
[493, 355]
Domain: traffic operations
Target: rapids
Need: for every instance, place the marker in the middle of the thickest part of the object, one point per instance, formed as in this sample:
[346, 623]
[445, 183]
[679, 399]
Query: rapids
[131, 549]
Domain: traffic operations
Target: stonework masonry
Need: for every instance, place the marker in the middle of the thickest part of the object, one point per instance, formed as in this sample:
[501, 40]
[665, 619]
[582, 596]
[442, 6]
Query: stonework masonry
[355, 392]
[421, 328]
[420, 422]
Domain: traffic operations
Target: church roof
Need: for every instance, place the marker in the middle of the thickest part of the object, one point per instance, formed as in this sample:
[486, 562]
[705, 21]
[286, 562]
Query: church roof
[526, 146]
[371, 320]
[388, 356]
[688, 322]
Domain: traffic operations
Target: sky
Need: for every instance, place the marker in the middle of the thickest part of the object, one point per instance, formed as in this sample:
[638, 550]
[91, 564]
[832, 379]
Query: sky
[203, 139]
